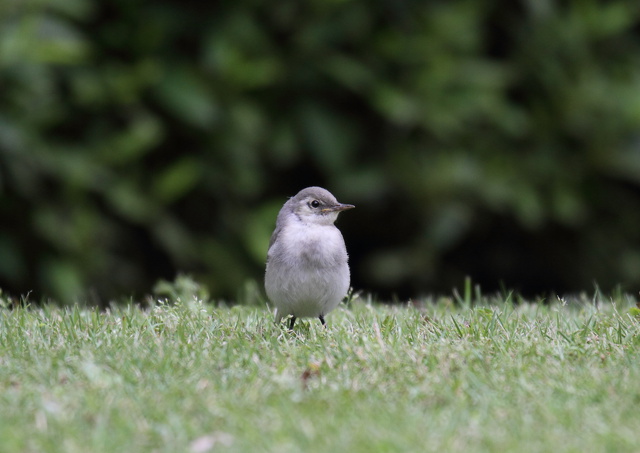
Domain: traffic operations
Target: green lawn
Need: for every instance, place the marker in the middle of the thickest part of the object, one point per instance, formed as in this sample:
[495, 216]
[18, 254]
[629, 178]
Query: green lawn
[436, 376]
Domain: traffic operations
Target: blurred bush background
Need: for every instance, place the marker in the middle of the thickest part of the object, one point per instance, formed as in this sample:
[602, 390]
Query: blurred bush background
[494, 139]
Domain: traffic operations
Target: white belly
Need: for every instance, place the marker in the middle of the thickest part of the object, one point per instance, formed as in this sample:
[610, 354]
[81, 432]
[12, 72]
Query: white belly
[309, 276]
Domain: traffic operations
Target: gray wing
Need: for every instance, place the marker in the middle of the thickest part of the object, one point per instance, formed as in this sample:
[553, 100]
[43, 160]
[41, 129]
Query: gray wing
[274, 238]
[280, 221]
[274, 235]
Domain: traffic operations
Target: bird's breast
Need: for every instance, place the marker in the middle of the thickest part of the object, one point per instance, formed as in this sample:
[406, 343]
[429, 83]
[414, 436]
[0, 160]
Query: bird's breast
[314, 246]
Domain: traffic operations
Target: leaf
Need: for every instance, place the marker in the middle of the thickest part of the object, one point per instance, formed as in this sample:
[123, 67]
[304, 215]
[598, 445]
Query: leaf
[177, 179]
[187, 97]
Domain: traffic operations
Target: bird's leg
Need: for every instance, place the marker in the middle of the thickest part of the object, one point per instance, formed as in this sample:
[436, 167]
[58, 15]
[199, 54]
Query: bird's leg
[292, 322]
[321, 318]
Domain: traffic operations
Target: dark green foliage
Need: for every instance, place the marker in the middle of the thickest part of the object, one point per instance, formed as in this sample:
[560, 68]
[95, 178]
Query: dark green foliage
[476, 137]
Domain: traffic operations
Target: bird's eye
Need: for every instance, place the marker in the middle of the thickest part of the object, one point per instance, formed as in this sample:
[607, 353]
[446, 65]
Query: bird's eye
[314, 204]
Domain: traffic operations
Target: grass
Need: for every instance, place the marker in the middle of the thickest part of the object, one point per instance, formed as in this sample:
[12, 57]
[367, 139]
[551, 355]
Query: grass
[478, 376]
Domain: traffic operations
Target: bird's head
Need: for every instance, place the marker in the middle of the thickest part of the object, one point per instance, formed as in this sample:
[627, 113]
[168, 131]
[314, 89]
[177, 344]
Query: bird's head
[317, 205]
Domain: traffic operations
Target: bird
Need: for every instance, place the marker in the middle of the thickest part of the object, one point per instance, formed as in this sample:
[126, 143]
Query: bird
[307, 271]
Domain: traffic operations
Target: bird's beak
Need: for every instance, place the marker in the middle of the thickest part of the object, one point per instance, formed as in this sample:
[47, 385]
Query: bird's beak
[339, 207]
